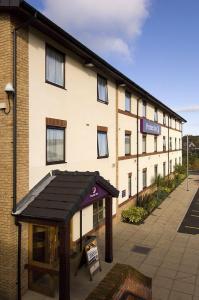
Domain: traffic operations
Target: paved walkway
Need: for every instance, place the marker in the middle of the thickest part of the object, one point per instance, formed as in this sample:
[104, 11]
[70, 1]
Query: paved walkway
[173, 257]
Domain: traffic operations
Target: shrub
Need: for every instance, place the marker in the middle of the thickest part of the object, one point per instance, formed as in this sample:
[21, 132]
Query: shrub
[151, 205]
[134, 215]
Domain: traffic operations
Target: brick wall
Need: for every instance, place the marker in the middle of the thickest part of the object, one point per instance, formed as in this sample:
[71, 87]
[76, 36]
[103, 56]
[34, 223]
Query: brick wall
[8, 236]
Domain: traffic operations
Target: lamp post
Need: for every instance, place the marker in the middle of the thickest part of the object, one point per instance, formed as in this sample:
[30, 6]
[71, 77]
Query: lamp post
[187, 162]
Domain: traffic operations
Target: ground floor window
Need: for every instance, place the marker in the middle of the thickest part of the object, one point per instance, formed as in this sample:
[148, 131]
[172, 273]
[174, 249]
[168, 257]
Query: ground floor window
[155, 171]
[170, 166]
[164, 169]
[98, 212]
[130, 185]
[144, 178]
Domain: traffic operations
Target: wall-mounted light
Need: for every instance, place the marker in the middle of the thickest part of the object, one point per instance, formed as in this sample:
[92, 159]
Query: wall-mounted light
[89, 64]
[9, 91]
[122, 84]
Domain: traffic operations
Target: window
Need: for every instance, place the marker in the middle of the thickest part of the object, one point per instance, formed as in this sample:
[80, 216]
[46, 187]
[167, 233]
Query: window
[55, 67]
[170, 166]
[179, 143]
[130, 184]
[102, 144]
[164, 143]
[164, 169]
[155, 143]
[55, 145]
[144, 178]
[156, 115]
[176, 162]
[171, 122]
[175, 123]
[102, 89]
[175, 143]
[170, 143]
[164, 119]
[155, 171]
[127, 101]
[144, 109]
[127, 142]
[180, 160]
[144, 144]
[98, 212]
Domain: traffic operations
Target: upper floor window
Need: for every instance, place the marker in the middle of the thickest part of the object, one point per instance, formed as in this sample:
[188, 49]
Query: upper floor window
[179, 143]
[170, 143]
[156, 115]
[164, 119]
[144, 108]
[55, 144]
[171, 122]
[127, 101]
[102, 89]
[127, 142]
[102, 144]
[175, 143]
[155, 143]
[144, 144]
[55, 67]
[164, 143]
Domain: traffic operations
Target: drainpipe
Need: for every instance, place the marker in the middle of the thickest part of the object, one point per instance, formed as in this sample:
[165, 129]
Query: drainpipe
[116, 142]
[19, 260]
[15, 30]
[168, 147]
[137, 198]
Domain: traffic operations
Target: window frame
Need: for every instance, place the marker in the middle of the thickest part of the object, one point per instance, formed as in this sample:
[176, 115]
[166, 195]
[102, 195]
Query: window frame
[98, 99]
[155, 143]
[164, 119]
[156, 114]
[164, 169]
[127, 134]
[64, 66]
[164, 143]
[64, 145]
[144, 137]
[99, 221]
[144, 171]
[156, 171]
[170, 143]
[129, 185]
[106, 133]
[144, 109]
[129, 94]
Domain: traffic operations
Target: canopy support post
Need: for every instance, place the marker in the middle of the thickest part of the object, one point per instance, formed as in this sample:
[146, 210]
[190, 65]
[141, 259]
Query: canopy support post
[64, 262]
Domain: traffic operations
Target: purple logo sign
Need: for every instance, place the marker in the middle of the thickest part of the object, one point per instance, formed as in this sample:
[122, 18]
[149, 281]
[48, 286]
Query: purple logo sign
[97, 193]
[150, 127]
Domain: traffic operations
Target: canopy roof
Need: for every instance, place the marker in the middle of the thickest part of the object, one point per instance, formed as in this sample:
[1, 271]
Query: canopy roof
[59, 195]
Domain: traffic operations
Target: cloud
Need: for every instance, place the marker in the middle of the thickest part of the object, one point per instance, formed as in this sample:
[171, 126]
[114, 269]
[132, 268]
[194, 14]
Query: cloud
[109, 27]
[194, 108]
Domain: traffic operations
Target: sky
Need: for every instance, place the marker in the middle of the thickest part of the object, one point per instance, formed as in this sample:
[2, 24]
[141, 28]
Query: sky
[154, 42]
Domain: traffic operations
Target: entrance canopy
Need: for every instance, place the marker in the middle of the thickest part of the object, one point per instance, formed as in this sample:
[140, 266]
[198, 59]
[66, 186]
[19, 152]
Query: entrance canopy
[59, 195]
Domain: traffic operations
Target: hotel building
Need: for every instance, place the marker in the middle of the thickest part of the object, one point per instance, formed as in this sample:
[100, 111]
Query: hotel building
[64, 108]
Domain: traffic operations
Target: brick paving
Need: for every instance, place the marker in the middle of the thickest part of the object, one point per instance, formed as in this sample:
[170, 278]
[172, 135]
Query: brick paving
[173, 259]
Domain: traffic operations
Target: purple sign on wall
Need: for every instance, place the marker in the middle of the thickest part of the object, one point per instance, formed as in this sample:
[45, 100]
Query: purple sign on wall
[97, 193]
[150, 127]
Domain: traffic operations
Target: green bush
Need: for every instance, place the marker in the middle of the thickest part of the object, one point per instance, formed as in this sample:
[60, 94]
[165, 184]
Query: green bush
[151, 205]
[134, 215]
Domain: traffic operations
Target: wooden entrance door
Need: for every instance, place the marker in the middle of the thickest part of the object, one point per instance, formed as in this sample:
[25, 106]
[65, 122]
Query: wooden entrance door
[43, 259]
